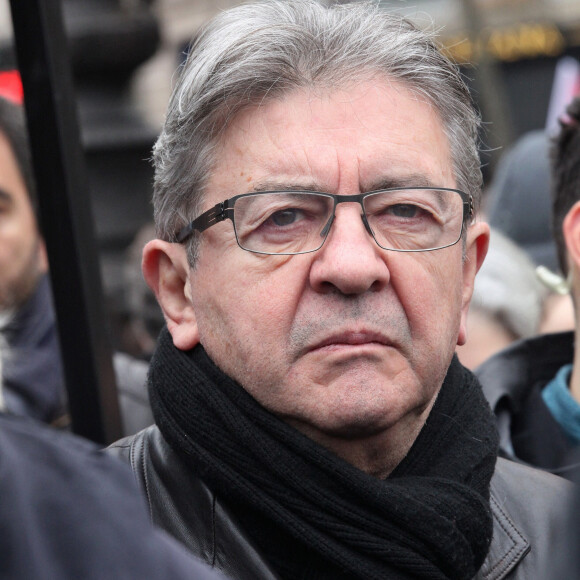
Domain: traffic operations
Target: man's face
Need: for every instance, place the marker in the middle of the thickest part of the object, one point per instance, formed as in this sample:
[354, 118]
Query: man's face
[351, 340]
[21, 253]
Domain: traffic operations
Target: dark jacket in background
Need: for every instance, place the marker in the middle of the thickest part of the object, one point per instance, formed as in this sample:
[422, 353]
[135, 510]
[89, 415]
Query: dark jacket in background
[69, 511]
[34, 383]
[32, 371]
[512, 382]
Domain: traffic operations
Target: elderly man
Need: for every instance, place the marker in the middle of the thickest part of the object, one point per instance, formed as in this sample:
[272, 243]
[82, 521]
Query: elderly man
[316, 186]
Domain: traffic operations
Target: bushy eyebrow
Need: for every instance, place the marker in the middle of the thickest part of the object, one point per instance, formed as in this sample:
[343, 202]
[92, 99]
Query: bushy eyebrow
[388, 182]
[409, 180]
[273, 185]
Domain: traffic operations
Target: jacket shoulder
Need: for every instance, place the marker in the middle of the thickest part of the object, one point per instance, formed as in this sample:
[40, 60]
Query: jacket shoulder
[183, 505]
[529, 509]
[127, 447]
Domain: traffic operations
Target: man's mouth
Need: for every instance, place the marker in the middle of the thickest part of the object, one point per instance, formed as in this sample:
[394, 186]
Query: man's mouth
[350, 338]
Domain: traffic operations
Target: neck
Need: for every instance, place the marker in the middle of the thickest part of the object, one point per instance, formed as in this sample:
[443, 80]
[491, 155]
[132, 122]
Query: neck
[574, 385]
[575, 376]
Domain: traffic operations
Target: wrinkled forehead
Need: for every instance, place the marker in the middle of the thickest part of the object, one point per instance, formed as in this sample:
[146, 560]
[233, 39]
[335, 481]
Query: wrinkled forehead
[283, 99]
[354, 137]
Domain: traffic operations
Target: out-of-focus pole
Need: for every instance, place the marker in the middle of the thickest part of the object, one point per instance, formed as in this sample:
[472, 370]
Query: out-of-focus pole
[490, 87]
[66, 217]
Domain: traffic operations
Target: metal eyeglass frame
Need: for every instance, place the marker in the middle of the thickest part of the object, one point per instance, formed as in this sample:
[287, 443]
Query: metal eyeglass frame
[225, 210]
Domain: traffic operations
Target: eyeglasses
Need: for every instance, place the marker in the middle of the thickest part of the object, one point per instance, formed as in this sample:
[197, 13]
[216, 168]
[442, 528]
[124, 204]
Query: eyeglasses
[407, 219]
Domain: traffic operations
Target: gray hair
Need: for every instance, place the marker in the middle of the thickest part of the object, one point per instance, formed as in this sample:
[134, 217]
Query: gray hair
[261, 51]
[507, 289]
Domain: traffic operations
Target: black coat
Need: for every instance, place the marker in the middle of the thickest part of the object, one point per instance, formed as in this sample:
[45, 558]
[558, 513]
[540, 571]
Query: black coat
[527, 505]
[512, 382]
[70, 512]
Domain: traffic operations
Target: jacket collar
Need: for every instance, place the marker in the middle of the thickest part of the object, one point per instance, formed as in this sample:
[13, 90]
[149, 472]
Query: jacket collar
[506, 376]
[508, 547]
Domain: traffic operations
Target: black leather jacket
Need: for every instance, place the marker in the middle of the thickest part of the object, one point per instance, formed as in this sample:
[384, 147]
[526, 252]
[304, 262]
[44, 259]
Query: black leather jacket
[527, 507]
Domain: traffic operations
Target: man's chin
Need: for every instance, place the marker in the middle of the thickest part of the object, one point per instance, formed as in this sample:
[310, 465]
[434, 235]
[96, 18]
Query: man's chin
[348, 428]
[10, 302]
[15, 294]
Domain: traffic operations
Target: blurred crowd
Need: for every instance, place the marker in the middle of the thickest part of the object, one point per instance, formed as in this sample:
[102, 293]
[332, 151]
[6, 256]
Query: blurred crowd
[518, 291]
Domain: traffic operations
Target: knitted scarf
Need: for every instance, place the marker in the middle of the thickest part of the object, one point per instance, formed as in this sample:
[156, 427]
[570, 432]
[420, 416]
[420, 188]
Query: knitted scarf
[429, 519]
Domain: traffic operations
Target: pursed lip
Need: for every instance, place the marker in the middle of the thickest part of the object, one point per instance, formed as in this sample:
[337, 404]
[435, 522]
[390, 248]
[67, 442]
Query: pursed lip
[350, 338]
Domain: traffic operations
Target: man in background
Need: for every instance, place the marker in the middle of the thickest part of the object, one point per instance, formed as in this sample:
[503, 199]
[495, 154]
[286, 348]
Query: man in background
[33, 378]
[534, 385]
[33, 374]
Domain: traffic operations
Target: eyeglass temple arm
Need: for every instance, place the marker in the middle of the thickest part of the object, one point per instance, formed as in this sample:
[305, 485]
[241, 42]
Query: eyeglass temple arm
[207, 219]
[469, 205]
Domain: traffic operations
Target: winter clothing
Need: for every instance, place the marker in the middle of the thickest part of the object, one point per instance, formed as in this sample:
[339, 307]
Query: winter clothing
[519, 202]
[32, 371]
[513, 381]
[256, 498]
[68, 511]
[33, 378]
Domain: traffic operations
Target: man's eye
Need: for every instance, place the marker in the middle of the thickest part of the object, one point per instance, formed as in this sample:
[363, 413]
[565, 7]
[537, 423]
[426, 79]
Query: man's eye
[286, 217]
[404, 210]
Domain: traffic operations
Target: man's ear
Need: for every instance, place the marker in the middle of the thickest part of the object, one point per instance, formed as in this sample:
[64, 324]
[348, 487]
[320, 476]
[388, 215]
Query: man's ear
[571, 231]
[476, 245]
[166, 271]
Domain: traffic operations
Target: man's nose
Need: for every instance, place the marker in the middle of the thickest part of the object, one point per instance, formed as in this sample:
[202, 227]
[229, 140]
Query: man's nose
[350, 260]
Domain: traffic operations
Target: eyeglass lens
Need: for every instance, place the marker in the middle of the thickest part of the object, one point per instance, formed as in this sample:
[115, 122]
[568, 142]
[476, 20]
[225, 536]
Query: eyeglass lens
[294, 222]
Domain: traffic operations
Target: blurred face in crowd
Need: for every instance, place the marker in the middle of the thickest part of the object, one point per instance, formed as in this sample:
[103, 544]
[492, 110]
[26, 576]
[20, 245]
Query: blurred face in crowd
[22, 255]
[350, 343]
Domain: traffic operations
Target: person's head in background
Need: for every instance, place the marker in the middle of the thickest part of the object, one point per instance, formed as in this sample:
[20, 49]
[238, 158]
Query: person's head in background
[517, 202]
[518, 205]
[566, 198]
[23, 257]
[32, 370]
[533, 386]
[507, 302]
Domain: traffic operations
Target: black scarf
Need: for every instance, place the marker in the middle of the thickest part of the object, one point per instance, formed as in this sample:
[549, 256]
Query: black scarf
[314, 515]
